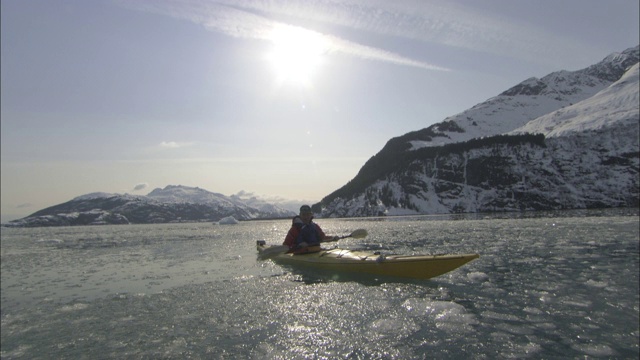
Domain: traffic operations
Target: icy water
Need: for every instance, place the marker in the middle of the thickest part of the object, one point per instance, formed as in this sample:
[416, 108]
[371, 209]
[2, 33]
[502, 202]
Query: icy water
[547, 285]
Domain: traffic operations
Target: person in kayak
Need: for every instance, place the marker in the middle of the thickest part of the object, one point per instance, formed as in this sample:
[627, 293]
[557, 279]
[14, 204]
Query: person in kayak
[305, 235]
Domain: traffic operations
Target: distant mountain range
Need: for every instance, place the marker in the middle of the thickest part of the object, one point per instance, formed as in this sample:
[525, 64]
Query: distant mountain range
[171, 204]
[569, 140]
[566, 141]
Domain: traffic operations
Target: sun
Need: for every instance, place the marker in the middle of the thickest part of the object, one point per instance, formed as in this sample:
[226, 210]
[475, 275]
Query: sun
[296, 53]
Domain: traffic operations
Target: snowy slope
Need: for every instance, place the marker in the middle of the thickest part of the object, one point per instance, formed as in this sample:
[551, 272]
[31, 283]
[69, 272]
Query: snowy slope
[95, 195]
[616, 104]
[186, 194]
[529, 100]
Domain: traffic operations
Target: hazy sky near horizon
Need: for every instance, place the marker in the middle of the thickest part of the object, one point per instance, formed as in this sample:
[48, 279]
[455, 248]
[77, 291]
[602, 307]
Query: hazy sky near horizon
[279, 98]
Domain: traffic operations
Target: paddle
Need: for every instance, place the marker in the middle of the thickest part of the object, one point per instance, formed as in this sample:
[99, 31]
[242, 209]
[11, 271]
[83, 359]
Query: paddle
[275, 250]
[356, 234]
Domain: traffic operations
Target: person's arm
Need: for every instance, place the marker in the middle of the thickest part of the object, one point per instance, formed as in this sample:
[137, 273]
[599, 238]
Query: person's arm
[290, 239]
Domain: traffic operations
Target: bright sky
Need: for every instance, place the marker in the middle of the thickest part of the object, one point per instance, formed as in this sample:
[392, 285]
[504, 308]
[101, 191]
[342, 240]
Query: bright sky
[279, 98]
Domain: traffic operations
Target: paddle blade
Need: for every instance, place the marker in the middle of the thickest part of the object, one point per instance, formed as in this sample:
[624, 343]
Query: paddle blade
[359, 234]
[268, 252]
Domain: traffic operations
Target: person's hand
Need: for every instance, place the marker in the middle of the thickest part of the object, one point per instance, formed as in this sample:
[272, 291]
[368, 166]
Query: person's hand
[303, 245]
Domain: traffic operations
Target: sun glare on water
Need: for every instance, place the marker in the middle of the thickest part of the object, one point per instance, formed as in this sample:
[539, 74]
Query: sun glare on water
[296, 54]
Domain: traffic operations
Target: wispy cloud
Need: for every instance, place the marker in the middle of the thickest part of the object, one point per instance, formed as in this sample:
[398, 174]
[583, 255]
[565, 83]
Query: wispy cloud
[443, 22]
[174, 144]
[256, 20]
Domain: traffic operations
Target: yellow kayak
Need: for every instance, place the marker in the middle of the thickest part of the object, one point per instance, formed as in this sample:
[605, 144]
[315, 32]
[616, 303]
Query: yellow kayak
[342, 260]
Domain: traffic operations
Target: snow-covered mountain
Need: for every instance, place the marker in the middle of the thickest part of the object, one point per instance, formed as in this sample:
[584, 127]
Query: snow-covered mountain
[616, 105]
[526, 101]
[171, 204]
[488, 158]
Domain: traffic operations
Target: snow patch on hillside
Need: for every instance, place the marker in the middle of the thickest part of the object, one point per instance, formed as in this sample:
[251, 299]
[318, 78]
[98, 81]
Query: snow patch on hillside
[616, 104]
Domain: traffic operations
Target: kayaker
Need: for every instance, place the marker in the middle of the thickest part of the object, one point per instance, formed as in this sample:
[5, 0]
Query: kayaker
[305, 235]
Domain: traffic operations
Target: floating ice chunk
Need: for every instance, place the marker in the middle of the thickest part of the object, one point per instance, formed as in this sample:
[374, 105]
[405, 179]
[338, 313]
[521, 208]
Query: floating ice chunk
[478, 276]
[74, 307]
[429, 307]
[520, 351]
[49, 241]
[594, 349]
[598, 284]
[229, 220]
[499, 316]
[545, 326]
[516, 329]
[532, 310]
[395, 327]
[388, 325]
[447, 315]
[582, 303]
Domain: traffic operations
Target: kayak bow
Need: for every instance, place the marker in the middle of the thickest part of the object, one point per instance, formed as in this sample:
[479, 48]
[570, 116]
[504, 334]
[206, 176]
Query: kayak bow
[342, 260]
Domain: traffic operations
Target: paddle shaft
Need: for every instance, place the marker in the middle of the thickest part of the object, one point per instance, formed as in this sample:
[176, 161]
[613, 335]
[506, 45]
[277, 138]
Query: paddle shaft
[357, 234]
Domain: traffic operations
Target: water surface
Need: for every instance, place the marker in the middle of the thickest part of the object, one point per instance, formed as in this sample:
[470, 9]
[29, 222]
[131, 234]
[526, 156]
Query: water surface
[547, 285]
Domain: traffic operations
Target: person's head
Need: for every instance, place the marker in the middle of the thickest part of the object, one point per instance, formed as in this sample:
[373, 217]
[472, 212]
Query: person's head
[297, 221]
[305, 213]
